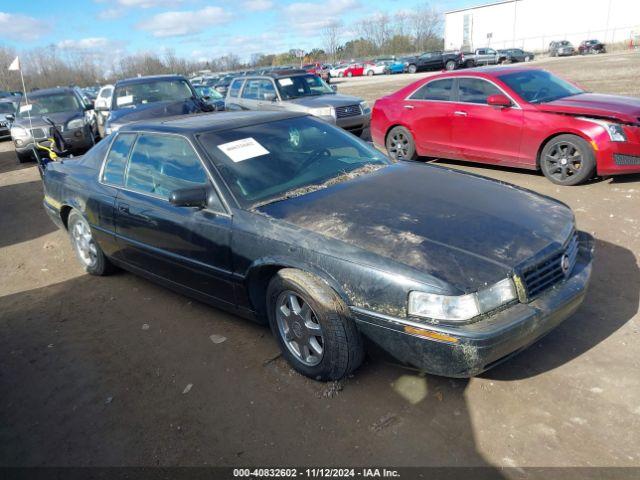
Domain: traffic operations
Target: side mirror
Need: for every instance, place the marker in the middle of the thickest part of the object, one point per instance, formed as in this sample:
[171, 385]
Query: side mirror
[88, 107]
[499, 100]
[189, 197]
[206, 97]
[334, 88]
[10, 116]
[101, 107]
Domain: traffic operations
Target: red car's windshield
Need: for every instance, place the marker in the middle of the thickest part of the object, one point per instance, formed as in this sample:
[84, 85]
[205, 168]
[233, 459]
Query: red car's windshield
[538, 86]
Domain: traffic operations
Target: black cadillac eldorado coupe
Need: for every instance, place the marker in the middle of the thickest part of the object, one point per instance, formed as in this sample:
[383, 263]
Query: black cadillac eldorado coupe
[285, 218]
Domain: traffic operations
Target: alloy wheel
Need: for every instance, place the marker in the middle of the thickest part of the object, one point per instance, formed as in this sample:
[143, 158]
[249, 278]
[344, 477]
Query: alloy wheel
[563, 161]
[84, 244]
[399, 145]
[299, 328]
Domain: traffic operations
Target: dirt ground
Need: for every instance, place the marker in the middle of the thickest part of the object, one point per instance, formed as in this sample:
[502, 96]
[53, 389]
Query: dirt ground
[119, 371]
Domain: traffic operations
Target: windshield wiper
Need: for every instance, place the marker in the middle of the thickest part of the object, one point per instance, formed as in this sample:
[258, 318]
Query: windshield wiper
[341, 177]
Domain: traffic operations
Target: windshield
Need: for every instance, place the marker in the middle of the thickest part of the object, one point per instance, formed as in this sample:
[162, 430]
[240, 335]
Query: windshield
[47, 104]
[7, 107]
[151, 92]
[302, 86]
[538, 86]
[268, 162]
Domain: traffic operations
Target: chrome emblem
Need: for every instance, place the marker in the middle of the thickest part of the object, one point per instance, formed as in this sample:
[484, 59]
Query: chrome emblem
[565, 264]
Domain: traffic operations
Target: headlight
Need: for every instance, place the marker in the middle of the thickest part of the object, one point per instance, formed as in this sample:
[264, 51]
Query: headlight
[322, 112]
[462, 307]
[365, 107]
[615, 130]
[19, 132]
[76, 123]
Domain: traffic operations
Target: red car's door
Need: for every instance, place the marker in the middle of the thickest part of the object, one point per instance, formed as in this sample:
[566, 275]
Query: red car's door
[481, 132]
[427, 112]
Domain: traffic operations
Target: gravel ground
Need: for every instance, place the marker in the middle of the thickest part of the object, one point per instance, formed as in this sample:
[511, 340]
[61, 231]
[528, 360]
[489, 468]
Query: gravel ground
[119, 371]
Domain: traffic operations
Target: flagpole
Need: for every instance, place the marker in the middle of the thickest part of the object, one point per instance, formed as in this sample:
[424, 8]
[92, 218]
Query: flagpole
[24, 89]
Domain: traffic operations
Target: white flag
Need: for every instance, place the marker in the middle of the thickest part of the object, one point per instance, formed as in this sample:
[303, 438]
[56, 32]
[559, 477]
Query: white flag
[15, 65]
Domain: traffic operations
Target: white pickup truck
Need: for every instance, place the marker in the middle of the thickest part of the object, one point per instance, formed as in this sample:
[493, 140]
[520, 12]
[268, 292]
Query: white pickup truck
[481, 56]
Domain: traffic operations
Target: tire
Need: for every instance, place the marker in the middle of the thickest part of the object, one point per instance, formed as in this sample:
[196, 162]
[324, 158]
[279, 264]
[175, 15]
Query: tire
[470, 64]
[567, 160]
[400, 144]
[450, 65]
[317, 324]
[24, 157]
[87, 250]
[349, 74]
[370, 73]
[412, 68]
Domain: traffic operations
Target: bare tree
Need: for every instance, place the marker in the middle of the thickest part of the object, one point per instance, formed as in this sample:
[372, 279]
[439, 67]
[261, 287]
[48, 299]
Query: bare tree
[427, 23]
[331, 35]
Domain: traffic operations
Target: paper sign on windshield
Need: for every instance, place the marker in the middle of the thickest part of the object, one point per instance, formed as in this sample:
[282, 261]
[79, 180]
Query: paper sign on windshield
[243, 149]
[285, 82]
[26, 108]
[124, 100]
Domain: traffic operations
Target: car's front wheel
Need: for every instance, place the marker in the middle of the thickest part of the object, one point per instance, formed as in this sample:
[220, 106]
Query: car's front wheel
[369, 73]
[312, 325]
[450, 65]
[412, 69]
[400, 144]
[24, 157]
[567, 160]
[87, 250]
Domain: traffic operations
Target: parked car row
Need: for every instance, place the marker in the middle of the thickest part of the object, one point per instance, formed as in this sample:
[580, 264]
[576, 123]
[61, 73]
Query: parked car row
[281, 217]
[564, 48]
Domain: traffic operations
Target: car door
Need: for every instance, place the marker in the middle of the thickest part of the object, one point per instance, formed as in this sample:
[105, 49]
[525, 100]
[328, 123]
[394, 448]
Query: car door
[428, 113]
[481, 132]
[233, 100]
[185, 246]
[249, 98]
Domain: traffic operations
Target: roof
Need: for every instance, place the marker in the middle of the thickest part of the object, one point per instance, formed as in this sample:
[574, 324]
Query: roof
[482, 5]
[130, 81]
[286, 73]
[493, 70]
[208, 122]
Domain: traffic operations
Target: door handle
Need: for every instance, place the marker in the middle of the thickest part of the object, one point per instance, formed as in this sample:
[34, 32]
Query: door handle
[409, 107]
[123, 208]
[460, 114]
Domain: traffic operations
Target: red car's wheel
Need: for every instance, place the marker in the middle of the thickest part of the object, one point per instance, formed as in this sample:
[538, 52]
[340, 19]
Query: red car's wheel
[567, 160]
[400, 144]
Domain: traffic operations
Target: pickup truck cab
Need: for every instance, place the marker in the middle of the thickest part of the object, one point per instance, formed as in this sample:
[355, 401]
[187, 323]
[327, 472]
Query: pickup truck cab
[480, 56]
[434, 61]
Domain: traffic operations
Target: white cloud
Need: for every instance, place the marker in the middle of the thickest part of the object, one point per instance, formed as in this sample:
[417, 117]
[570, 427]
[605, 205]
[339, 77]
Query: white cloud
[111, 13]
[303, 16]
[147, 3]
[20, 27]
[84, 43]
[258, 5]
[188, 22]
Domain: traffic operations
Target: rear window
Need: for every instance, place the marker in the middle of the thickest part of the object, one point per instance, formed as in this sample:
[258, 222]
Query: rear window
[436, 90]
[475, 90]
[234, 90]
[116, 161]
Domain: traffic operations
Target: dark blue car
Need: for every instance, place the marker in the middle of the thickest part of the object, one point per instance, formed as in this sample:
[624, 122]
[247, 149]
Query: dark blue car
[283, 218]
[157, 96]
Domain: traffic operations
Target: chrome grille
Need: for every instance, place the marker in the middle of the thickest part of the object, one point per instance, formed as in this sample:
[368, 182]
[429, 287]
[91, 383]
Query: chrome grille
[550, 271]
[348, 111]
[626, 159]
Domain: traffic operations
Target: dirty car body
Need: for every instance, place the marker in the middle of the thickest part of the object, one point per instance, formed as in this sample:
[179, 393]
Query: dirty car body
[333, 209]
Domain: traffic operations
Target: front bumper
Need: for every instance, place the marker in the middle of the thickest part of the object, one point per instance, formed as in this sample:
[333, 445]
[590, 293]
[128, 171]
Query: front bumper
[354, 123]
[469, 350]
[78, 140]
[616, 158]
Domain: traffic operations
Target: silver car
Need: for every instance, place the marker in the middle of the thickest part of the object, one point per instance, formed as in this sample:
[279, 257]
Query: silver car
[298, 91]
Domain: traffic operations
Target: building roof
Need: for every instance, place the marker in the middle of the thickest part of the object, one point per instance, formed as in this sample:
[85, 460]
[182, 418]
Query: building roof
[209, 122]
[482, 5]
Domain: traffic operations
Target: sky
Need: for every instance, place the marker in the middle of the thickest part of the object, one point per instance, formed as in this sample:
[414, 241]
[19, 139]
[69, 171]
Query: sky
[194, 29]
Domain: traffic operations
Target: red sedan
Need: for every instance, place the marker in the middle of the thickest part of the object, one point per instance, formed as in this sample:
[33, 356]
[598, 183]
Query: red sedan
[515, 116]
[354, 70]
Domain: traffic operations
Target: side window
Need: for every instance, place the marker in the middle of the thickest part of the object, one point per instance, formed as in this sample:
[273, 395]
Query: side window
[234, 89]
[254, 89]
[475, 90]
[106, 93]
[160, 164]
[266, 90]
[116, 161]
[436, 90]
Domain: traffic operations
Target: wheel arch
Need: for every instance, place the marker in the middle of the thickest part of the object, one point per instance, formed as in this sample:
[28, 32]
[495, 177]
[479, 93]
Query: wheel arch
[261, 271]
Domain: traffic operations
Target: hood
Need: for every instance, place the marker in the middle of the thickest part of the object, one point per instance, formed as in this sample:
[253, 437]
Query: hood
[58, 118]
[328, 100]
[622, 109]
[466, 230]
[153, 110]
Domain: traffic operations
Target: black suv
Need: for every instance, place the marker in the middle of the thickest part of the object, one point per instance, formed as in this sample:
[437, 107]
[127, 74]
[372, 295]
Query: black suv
[433, 61]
